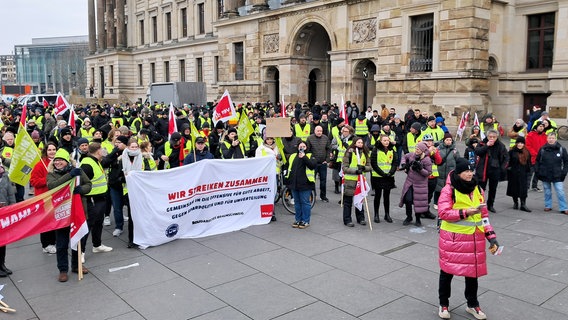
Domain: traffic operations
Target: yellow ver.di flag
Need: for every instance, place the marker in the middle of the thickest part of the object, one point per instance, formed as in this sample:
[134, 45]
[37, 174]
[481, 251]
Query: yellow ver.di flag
[244, 129]
[26, 156]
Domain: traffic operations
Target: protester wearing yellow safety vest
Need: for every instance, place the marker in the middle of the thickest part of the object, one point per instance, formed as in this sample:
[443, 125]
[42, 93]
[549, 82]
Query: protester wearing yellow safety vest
[116, 180]
[135, 123]
[96, 199]
[362, 127]
[464, 229]
[434, 130]
[302, 130]
[132, 160]
[300, 179]
[353, 166]
[269, 149]
[519, 129]
[171, 153]
[86, 131]
[413, 136]
[60, 171]
[232, 147]
[436, 159]
[338, 146]
[384, 163]
[201, 152]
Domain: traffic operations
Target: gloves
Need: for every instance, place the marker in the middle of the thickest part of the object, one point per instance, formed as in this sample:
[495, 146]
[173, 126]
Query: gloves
[77, 190]
[75, 172]
[417, 166]
[361, 167]
[493, 242]
[358, 171]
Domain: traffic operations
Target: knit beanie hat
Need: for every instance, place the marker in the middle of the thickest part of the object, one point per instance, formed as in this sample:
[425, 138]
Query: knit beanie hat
[62, 154]
[462, 165]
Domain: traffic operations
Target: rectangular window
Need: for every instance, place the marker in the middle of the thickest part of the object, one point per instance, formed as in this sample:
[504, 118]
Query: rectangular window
[182, 70]
[140, 75]
[220, 8]
[152, 72]
[540, 43]
[141, 27]
[167, 71]
[201, 14]
[216, 69]
[154, 29]
[111, 76]
[168, 26]
[199, 69]
[183, 18]
[421, 42]
[239, 61]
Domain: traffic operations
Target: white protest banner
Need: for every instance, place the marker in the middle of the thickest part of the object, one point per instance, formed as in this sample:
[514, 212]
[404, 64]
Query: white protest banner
[205, 198]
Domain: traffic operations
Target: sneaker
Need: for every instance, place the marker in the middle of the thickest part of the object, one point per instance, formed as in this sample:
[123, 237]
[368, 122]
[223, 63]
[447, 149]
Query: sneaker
[537, 189]
[106, 221]
[82, 257]
[406, 221]
[324, 200]
[296, 224]
[418, 224]
[125, 218]
[436, 206]
[102, 248]
[291, 201]
[50, 249]
[476, 312]
[31, 192]
[116, 232]
[444, 313]
[303, 225]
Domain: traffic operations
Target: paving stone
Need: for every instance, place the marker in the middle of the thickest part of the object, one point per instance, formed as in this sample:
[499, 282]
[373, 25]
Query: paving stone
[283, 264]
[406, 308]
[558, 302]
[222, 314]
[360, 262]
[553, 269]
[347, 292]
[238, 244]
[419, 255]
[515, 258]
[261, 297]
[316, 311]
[502, 307]
[376, 242]
[179, 298]
[544, 246]
[133, 315]
[177, 250]
[211, 269]
[542, 229]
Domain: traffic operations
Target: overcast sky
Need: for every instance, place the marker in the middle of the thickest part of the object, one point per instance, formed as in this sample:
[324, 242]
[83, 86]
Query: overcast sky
[23, 20]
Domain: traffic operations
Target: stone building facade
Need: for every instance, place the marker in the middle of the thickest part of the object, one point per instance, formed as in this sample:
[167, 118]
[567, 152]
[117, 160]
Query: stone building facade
[449, 56]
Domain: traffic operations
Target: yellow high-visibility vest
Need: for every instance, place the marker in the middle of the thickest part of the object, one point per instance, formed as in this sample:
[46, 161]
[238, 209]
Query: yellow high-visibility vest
[469, 224]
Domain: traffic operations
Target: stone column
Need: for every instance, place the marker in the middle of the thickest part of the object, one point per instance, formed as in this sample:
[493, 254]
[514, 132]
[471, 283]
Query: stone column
[559, 73]
[92, 28]
[120, 19]
[110, 30]
[231, 8]
[101, 33]
[258, 5]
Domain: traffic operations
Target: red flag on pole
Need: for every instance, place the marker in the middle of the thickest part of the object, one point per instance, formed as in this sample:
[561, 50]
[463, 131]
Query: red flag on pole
[224, 110]
[476, 120]
[463, 123]
[283, 108]
[45, 103]
[71, 122]
[61, 105]
[24, 115]
[343, 112]
[172, 124]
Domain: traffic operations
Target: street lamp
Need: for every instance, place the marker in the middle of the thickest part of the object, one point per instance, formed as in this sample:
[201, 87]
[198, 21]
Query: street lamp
[73, 73]
[48, 80]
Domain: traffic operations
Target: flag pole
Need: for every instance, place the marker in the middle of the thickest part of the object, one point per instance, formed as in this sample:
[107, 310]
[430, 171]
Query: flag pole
[80, 261]
[368, 214]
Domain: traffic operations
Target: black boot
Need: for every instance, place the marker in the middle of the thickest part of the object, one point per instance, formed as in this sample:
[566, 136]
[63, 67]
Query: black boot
[418, 223]
[524, 206]
[337, 191]
[4, 269]
[429, 215]
[408, 219]
[388, 217]
[515, 204]
[377, 220]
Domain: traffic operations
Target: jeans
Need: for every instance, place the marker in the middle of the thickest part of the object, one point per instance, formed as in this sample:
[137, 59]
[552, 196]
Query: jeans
[445, 290]
[302, 205]
[116, 198]
[62, 244]
[559, 189]
[321, 171]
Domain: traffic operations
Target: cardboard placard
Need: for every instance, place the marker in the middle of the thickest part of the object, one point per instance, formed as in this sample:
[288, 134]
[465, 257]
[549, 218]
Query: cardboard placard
[278, 127]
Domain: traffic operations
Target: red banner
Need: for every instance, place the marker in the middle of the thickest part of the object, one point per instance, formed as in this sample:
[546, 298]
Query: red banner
[61, 105]
[48, 211]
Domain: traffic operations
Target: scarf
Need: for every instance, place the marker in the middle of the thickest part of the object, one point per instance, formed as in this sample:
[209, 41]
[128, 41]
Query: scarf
[132, 161]
[518, 128]
[465, 187]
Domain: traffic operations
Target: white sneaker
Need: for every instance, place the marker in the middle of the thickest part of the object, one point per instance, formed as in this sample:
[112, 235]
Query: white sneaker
[106, 222]
[50, 249]
[101, 248]
[436, 206]
[82, 257]
[476, 312]
[125, 218]
[116, 232]
[444, 313]
[292, 201]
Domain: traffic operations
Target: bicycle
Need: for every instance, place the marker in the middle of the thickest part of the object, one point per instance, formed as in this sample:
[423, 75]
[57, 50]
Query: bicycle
[284, 193]
[562, 133]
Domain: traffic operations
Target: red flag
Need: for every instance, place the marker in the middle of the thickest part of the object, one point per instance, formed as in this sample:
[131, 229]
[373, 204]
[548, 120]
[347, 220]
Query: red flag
[45, 103]
[343, 112]
[361, 191]
[78, 224]
[283, 108]
[24, 115]
[71, 122]
[172, 124]
[61, 105]
[463, 123]
[476, 120]
[224, 110]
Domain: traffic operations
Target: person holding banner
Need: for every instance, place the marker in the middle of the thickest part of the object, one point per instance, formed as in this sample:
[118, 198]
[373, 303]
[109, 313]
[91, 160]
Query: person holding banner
[301, 181]
[7, 197]
[355, 162]
[61, 170]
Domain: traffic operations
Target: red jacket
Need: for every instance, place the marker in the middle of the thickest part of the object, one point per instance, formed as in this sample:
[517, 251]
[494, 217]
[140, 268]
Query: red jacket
[461, 254]
[38, 178]
[534, 141]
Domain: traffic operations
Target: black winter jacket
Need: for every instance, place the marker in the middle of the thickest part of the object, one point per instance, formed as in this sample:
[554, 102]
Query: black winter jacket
[552, 163]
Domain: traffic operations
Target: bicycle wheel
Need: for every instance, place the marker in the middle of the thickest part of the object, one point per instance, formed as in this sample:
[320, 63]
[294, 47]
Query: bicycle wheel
[313, 198]
[278, 192]
[563, 133]
[287, 200]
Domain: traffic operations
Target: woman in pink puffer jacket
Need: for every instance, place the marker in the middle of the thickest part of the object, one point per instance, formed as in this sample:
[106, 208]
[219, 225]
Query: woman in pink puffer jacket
[463, 231]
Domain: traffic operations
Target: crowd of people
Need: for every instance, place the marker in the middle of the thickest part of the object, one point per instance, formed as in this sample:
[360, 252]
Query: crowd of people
[107, 142]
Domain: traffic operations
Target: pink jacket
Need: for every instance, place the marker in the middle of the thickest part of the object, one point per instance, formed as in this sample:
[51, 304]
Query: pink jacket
[461, 254]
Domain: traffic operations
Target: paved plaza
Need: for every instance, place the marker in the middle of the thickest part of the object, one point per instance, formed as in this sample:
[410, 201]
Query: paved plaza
[327, 271]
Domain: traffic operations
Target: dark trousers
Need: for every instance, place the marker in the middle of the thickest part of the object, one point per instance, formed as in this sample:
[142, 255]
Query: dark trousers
[2, 255]
[95, 215]
[321, 171]
[62, 245]
[532, 175]
[130, 222]
[20, 192]
[47, 238]
[117, 200]
[347, 204]
[492, 180]
[431, 188]
[377, 200]
[445, 290]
